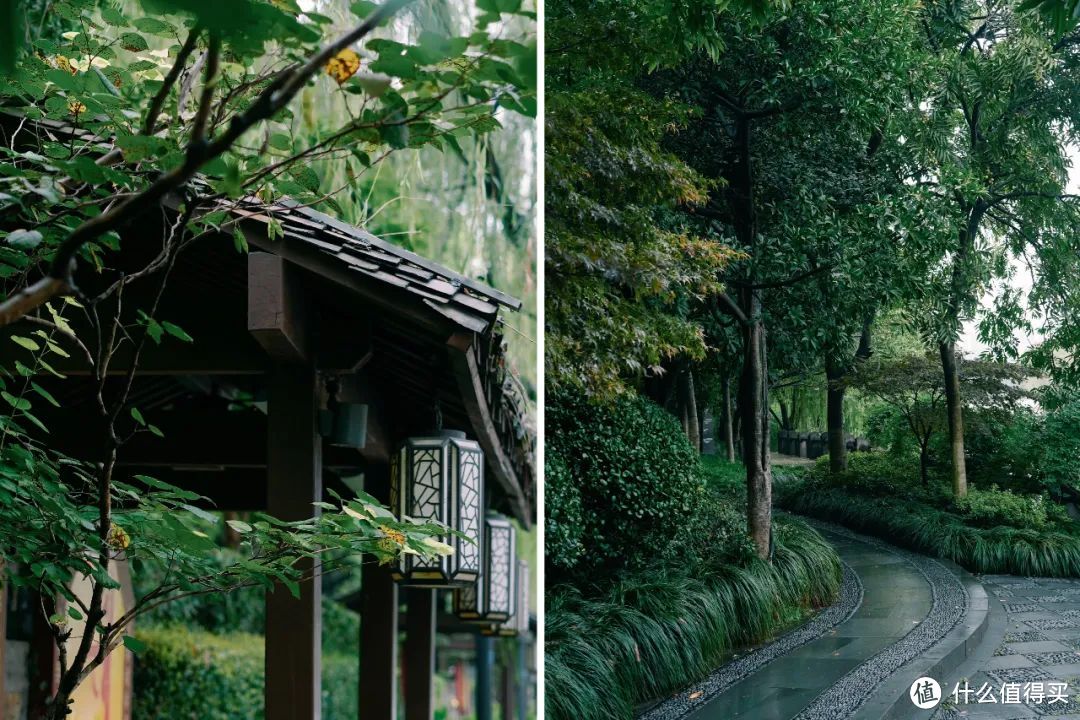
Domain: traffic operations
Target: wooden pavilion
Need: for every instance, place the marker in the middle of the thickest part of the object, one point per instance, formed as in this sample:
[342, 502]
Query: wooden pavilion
[318, 312]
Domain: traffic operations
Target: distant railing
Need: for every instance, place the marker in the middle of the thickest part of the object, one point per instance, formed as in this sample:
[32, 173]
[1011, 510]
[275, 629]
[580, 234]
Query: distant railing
[815, 444]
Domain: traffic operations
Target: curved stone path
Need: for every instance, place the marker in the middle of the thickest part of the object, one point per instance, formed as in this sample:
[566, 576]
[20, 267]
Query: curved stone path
[834, 665]
[1034, 641]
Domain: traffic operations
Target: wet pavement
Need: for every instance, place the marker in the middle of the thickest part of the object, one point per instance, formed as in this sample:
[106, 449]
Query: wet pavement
[1036, 650]
[896, 599]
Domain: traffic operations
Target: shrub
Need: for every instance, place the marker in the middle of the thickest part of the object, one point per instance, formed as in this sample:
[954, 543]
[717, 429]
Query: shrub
[872, 473]
[994, 507]
[929, 530]
[637, 475]
[204, 676]
[728, 478]
[654, 631]
[562, 511]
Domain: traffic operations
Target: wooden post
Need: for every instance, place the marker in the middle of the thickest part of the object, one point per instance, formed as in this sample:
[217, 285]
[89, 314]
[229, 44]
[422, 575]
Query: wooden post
[508, 692]
[293, 688]
[420, 654]
[378, 624]
[3, 645]
[483, 677]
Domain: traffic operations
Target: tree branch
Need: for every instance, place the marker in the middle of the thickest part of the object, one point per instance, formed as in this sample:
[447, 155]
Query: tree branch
[150, 124]
[268, 103]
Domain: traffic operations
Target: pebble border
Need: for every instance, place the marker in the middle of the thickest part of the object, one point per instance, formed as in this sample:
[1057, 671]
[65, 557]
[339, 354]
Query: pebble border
[851, 595]
[949, 606]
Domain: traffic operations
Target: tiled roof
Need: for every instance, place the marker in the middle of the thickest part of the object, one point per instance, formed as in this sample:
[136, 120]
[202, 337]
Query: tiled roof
[463, 300]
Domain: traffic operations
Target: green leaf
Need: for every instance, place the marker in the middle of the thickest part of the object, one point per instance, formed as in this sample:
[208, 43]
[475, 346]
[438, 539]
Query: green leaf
[138, 416]
[176, 331]
[239, 240]
[15, 402]
[133, 42]
[133, 644]
[24, 239]
[239, 526]
[45, 394]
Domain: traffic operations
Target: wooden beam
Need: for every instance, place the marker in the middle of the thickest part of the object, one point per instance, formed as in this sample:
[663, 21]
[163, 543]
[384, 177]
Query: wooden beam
[466, 371]
[419, 654]
[378, 624]
[210, 439]
[276, 308]
[293, 685]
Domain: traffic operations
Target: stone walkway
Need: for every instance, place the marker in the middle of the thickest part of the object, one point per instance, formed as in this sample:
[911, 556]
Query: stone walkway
[1036, 639]
[902, 612]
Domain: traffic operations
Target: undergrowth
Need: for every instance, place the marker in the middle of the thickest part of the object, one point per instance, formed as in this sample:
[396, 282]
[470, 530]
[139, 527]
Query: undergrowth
[936, 532]
[652, 632]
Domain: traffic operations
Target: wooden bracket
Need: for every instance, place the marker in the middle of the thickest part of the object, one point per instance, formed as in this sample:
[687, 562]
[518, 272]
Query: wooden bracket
[276, 309]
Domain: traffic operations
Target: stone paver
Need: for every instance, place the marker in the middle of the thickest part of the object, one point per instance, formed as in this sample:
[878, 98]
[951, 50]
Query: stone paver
[1040, 644]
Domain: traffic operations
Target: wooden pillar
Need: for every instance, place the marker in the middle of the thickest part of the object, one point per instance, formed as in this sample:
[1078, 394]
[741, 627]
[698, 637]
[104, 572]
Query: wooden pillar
[378, 624]
[294, 481]
[419, 654]
[484, 651]
[3, 645]
[508, 691]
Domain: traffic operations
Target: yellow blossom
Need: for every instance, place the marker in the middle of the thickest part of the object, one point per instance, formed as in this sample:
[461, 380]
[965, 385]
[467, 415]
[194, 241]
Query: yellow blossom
[118, 538]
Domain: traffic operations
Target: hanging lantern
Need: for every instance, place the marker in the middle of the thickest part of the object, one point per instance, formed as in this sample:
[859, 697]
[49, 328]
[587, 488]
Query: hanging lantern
[518, 624]
[492, 598]
[524, 588]
[440, 478]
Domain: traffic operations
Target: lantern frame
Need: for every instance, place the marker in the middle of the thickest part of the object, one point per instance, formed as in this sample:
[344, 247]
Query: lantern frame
[440, 478]
[492, 598]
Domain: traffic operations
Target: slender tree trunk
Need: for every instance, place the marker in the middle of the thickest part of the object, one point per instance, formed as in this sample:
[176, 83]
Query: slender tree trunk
[728, 422]
[955, 412]
[755, 425]
[834, 412]
[924, 462]
[693, 425]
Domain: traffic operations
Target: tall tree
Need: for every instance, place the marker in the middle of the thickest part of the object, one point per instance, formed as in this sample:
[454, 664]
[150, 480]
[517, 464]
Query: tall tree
[768, 113]
[998, 109]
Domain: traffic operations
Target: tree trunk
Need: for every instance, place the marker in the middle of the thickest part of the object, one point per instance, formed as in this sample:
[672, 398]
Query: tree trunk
[693, 426]
[729, 425]
[955, 412]
[834, 413]
[924, 462]
[754, 408]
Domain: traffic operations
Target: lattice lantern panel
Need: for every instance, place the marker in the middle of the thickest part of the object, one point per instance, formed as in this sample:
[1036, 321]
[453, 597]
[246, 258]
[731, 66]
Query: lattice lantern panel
[492, 599]
[441, 479]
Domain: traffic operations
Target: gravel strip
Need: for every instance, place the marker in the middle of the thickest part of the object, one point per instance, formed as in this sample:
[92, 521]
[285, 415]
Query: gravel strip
[949, 606]
[851, 594]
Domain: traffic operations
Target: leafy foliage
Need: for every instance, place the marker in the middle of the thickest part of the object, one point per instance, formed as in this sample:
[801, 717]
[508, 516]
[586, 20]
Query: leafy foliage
[222, 675]
[636, 475]
[653, 631]
[936, 532]
[135, 106]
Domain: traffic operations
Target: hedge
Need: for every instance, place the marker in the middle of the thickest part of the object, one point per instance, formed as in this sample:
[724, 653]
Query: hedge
[185, 675]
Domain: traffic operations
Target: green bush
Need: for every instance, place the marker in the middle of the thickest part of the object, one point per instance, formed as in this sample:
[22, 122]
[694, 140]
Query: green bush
[562, 512]
[637, 475]
[994, 507]
[653, 631]
[872, 473]
[932, 531]
[183, 675]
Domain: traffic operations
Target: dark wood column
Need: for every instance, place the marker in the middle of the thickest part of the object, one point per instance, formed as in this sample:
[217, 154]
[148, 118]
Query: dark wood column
[419, 653]
[3, 646]
[484, 652]
[378, 624]
[294, 482]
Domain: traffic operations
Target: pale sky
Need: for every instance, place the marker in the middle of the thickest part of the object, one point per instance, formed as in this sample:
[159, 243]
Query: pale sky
[969, 340]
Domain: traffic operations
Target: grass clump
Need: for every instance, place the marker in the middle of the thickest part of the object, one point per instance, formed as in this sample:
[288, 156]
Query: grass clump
[967, 533]
[650, 633]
